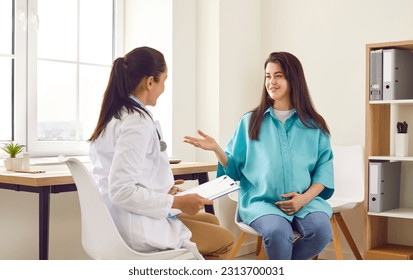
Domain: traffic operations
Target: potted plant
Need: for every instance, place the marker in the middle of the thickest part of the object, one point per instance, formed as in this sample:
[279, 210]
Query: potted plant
[402, 140]
[12, 162]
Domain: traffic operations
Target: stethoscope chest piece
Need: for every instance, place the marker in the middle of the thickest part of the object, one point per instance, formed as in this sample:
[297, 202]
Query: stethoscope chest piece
[163, 146]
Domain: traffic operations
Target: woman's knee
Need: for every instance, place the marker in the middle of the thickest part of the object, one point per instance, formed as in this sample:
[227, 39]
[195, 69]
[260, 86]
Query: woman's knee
[316, 225]
[273, 227]
[324, 227]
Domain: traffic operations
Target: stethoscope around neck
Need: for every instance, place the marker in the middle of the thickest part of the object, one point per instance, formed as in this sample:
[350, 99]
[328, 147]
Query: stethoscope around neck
[163, 145]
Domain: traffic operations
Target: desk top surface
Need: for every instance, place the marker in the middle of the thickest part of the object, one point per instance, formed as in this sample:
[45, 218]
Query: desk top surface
[60, 174]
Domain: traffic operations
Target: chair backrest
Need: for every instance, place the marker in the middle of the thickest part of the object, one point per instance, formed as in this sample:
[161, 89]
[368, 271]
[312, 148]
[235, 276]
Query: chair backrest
[100, 237]
[237, 219]
[348, 173]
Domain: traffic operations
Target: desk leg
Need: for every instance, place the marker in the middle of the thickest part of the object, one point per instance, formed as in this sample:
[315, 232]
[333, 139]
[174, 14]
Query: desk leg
[203, 178]
[44, 211]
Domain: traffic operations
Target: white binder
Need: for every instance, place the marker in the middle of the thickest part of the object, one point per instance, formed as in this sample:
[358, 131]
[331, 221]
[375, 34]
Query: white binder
[384, 186]
[397, 74]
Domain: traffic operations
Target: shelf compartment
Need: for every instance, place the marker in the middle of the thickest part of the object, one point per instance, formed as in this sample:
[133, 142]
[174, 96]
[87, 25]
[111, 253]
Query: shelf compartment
[391, 158]
[397, 101]
[390, 252]
[402, 213]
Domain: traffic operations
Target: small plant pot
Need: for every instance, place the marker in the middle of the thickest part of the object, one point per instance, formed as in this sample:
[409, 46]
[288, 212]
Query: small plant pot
[402, 145]
[7, 164]
[13, 164]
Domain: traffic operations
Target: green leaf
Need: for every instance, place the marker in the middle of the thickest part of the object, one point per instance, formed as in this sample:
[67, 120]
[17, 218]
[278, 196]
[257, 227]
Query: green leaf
[13, 149]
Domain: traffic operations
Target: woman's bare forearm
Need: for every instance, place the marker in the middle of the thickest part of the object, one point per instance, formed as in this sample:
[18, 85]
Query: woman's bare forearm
[221, 156]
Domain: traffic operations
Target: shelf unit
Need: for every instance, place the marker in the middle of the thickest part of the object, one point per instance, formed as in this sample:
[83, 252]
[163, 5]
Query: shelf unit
[381, 118]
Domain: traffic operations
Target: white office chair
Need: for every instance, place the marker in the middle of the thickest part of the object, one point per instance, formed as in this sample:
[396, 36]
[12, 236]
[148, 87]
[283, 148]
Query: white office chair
[245, 229]
[100, 237]
[348, 194]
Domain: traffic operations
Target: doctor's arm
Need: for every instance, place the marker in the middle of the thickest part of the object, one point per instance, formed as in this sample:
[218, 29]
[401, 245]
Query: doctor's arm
[191, 203]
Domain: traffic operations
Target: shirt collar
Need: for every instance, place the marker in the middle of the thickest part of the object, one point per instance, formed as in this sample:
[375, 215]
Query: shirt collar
[271, 112]
[131, 96]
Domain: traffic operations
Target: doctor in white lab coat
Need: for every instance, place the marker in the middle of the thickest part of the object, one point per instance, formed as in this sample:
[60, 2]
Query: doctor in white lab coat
[132, 171]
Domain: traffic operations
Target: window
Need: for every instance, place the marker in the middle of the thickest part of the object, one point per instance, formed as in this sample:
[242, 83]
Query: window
[64, 51]
[69, 56]
[6, 70]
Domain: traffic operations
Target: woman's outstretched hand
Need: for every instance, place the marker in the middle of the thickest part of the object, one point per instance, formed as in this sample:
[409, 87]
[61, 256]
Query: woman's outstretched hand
[206, 142]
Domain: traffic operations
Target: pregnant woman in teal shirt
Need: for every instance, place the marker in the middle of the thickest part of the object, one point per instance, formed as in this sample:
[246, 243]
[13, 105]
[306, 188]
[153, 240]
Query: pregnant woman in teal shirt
[281, 154]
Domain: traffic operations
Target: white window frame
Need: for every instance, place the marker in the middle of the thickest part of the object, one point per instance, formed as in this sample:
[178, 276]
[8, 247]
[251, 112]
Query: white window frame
[20, 81]
[25, 114]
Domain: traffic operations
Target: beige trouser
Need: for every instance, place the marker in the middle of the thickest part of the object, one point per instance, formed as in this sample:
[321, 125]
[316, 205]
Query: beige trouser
[213, 241]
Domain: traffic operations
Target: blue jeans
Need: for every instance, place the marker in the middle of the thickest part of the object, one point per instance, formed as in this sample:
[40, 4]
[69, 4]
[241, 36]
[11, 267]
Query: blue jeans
[277, 234]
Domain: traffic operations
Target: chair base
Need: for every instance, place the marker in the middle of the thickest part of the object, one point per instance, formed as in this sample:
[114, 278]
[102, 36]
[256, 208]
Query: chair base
[259, 252]
[336, 222]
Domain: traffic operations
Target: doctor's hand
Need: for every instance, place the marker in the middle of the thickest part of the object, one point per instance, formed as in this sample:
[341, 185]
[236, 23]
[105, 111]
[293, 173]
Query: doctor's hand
[191, 203]
[175, 189]
[205, 143]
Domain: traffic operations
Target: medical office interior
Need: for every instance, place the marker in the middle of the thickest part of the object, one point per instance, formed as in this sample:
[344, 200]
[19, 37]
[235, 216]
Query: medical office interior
[215, 50]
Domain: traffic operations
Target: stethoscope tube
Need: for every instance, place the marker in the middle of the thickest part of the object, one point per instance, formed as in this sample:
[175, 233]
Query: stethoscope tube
[162, 143]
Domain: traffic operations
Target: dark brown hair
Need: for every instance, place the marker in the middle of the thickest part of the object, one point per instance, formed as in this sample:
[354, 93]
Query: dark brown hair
[299, 96]
[127, 72]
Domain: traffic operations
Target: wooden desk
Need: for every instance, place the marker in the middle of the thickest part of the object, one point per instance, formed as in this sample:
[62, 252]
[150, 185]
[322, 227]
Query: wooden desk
[58, 181]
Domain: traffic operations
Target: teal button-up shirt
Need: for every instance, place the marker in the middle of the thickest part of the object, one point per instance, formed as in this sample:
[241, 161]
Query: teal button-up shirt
[287, 158]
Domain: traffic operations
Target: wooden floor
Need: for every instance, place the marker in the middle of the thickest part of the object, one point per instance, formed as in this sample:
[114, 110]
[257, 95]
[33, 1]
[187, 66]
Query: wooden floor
[251, 256]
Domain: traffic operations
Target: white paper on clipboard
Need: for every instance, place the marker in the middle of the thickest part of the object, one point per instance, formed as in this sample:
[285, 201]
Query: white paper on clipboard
[212, 190]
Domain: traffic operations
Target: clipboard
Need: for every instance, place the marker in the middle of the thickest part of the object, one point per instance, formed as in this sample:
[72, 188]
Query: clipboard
[213, 189]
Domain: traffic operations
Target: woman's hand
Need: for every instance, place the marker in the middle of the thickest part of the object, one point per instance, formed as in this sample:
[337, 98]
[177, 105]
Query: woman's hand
[175, 189]
[205, 143]
[293, 203]
[191, 203]
[208, 143]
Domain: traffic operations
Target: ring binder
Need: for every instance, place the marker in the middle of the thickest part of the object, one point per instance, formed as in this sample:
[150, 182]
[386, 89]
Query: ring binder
[397, 74]
[384, 186]
[376, 74]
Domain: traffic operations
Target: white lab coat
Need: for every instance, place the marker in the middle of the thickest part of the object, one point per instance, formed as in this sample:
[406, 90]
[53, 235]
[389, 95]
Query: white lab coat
[134, 177]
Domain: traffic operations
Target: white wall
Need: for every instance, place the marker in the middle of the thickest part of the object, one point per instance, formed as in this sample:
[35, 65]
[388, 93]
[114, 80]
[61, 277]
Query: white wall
[241, 68]
[149, 23]
[216, 66]
[184, 85]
